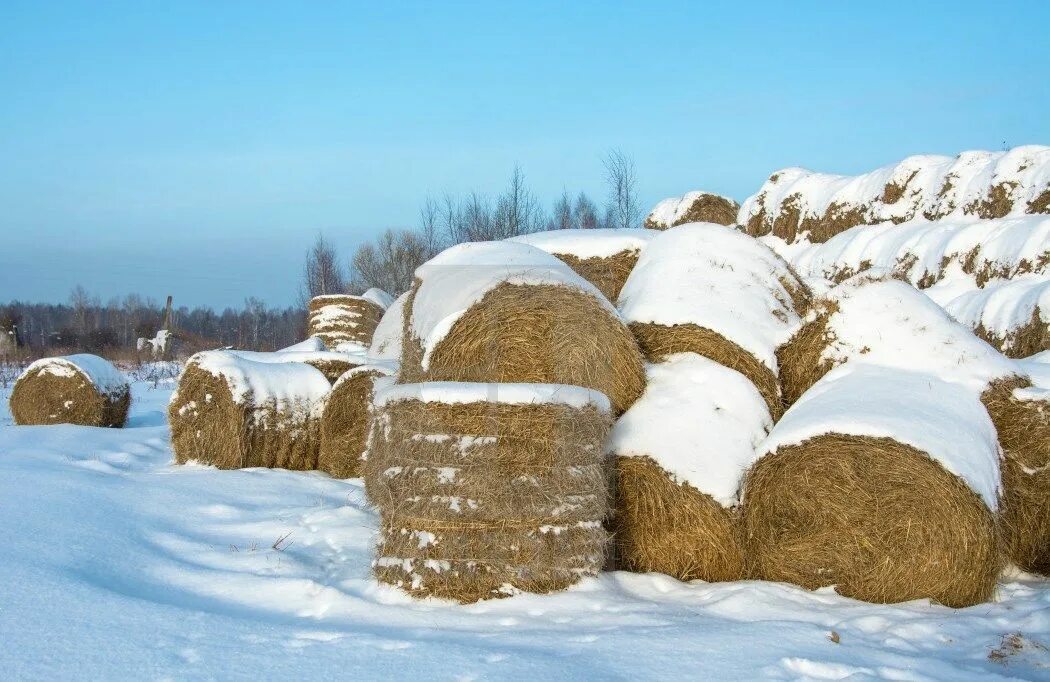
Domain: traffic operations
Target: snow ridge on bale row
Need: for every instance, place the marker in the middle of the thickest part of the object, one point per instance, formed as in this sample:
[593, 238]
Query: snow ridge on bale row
[1013, 316]
[796, 203]
[693, 207]
[81, 389]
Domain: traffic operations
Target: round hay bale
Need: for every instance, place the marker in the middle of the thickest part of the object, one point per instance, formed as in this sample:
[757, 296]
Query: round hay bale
[342, 320]
[604, 257]
[880, 482]
[509, 313]
[694, 207]
[680, 453]
[1021, 415]
[78, 389]
[485, 490]
[714, 291]
[330, 363]
[345, 419]
[386, 339]
[232, 412]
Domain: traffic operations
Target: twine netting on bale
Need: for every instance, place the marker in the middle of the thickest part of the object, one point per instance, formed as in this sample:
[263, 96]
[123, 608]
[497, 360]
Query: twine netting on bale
[883, 483]
[510, 313]
[714, 291]
[345, 419]
[604, 257]
[78, 389]
[694, 207]
[485, 490]
[1021, 414]
[233, 412]
[342, 320]
[680, 453]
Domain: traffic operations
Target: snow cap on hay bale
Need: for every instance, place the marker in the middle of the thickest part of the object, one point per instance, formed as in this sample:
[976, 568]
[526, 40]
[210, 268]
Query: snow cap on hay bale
[603, 257]
[714, 291]
[342, 320]
[311, 343]
[231, 412]
[485, 490]
[331, 364]
[694, 207]
[508, 312]
[1013, 316]
[78, 389]
[681, 452]
[345, 419]
[386, 340]
[882, 482]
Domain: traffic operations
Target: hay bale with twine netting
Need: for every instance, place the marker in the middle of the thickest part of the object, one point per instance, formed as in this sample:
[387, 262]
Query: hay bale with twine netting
[714, 291]
[603, 257]
[680, 454]
[78, 389]
[345, 419]
[510, 313]
[485, 490]
[883, 483]
[694, 207]
[346, 322]
[233, 412]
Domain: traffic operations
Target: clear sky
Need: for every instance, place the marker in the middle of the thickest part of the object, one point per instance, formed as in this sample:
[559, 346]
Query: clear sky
[196, 148]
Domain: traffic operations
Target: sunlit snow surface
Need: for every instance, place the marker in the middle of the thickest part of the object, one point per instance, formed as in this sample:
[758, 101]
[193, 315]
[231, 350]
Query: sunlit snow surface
[117, 565]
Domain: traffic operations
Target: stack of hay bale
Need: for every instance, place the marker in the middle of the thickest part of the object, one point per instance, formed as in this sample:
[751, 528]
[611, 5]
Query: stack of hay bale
[345, 322]
[78, 389]
[485, 460]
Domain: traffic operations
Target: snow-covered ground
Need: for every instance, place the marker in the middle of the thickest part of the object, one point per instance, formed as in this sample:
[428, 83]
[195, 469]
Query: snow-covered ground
[117, 565]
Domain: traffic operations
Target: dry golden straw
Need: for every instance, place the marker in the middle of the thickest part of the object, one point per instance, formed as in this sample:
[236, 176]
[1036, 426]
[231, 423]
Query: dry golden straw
[607, 274]
[345, 420]
[43, 396]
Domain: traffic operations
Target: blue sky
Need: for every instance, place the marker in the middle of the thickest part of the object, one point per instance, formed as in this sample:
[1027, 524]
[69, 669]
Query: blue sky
[197, 148]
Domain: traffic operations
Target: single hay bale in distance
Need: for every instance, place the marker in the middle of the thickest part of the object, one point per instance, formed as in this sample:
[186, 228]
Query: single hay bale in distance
[880, 482]
[680, 454]
[485, 490]
[510, 313]
[604, 257]
[345, 419]
[232, 412]
[77, 389]
[694, 207]
[342, 319]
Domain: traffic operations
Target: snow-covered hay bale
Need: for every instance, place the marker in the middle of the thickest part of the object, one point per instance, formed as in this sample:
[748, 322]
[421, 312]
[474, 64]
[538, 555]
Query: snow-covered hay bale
[883, 483]
[694, 207]
[795, 203]
[73, 389]
[330, 363]
[488, 489]
[714, 291]
[386, 340]
[345, 419]
[231, 412]
[508, 312]
[603, 257]
[680, 454]
[1021, 413]
[342, 320]
[1013, 316]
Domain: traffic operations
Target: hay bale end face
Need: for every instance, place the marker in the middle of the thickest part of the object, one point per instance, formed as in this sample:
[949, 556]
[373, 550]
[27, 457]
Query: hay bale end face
[345, 321]
[78, 389]
[345, 419]
[885, 518]
[485, 490]
[232, 412]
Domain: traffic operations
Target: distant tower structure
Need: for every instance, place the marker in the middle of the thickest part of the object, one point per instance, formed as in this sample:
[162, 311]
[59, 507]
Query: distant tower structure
[162, 345]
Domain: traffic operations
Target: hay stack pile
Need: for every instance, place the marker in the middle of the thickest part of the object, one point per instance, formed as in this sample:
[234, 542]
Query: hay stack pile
[711, 290]
[345, 322]
[231, 411]
[485, 490]
[694, 207]
[74, 389]
[510, 313]
[680, 454]
[603, 257]
[346, 418]
[882, 482]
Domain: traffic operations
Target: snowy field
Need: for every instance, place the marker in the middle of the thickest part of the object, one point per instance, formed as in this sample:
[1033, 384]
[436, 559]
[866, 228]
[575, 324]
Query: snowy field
[116, 564]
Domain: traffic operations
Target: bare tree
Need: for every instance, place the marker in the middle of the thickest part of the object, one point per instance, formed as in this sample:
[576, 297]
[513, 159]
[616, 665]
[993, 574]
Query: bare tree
[562, 217]
[430, 222]
[322, 273]
[517, 211]
[80, 301]
[390, 262]
[585, 213]
[623, 193]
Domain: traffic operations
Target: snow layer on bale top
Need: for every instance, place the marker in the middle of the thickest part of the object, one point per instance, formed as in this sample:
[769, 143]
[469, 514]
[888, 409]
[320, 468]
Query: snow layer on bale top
[892, 324]
[597, 243]
[715, 277]
[386, 339]
[459, 277]
[672, 209]
[462, 392]
[387, 369]
[310, 344]
[379, 297]
[301, 356]
[106, 378]
[1037, 367]
[919, 410]
[1003, 307]
[698, 420]
[284, 382]
[1004, 242]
